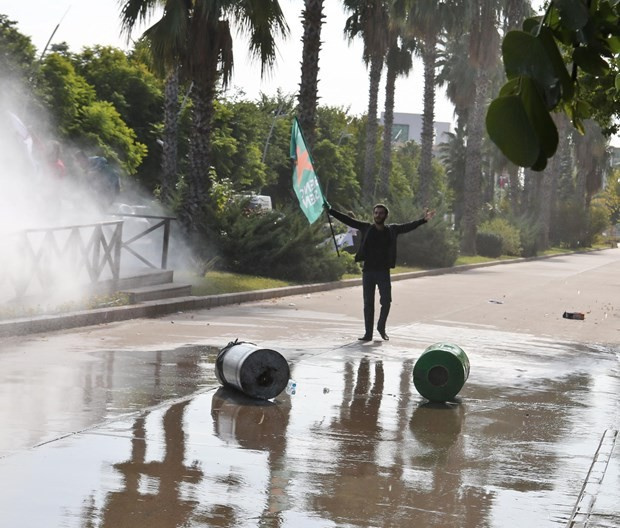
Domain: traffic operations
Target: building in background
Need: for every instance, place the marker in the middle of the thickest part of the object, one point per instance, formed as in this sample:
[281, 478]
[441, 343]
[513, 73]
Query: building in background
[408, 127]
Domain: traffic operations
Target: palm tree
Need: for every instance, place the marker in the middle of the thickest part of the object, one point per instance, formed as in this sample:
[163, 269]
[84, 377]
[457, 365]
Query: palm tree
[452, 155]
[196, 36]
[312, 17]
[483, 55]
[369, 19]
[469, 68]
[591, 160]
[428, 20]
[170, 136]
[399, 61]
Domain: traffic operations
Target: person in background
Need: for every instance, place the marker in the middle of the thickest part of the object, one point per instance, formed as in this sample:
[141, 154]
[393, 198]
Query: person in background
[100, 176]
[352, 238]
[377, 251]
[55, 165]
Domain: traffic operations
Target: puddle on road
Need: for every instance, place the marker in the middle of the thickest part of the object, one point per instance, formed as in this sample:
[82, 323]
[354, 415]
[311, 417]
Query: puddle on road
[55, 392]
[356, 446]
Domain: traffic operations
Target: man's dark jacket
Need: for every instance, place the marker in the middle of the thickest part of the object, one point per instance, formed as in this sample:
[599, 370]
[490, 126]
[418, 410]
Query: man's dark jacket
[364, 227]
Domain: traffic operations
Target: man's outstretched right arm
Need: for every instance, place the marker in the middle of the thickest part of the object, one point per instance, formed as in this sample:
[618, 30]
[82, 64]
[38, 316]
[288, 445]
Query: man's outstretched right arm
[345, 219]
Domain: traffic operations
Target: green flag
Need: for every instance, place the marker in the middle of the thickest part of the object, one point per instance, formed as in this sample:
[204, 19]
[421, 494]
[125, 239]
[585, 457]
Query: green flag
[305, 182]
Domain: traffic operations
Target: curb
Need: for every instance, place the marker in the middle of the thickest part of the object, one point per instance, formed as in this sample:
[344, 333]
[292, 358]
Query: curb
[156, 308]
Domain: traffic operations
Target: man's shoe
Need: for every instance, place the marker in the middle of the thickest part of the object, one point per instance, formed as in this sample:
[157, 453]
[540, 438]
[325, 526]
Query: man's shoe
[383, 335]
[365, 338]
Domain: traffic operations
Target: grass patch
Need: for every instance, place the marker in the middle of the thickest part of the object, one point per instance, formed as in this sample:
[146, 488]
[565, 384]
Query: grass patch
[16, 311]
[218, 282]
[561, 250]
[397, 269]
[477, 259]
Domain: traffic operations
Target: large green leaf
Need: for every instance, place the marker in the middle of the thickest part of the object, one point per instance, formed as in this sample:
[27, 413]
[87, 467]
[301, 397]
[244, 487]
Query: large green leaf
[590, 61]
[538, 116]
[531, 25]
[511, 87]
[546, 38]
[560, 32]
[573, 13]
[540, 163]
[614, 44]
[525, 55]
[510, 129]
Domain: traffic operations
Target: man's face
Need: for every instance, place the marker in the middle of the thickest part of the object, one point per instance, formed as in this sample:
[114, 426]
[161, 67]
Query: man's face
[379, 215]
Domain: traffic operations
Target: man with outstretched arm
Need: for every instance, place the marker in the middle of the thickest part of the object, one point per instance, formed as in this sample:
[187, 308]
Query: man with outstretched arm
[377, 251]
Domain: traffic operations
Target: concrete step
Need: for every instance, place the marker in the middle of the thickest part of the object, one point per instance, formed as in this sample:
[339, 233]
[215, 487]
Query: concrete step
[157, 291]
[135, 279]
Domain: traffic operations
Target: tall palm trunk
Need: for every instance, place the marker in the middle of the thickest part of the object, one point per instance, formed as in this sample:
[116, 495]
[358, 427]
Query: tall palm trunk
[473, 165]
[308, 88]
[544, 199]
[388, 122]
[170, 136]
[429, 59]
[549, 180]
[513, 187]
[198, 183]
[531, 189]
[369, 182]
[483, 55]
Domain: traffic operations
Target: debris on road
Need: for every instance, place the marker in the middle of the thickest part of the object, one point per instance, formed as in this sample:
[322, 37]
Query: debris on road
[580, 316]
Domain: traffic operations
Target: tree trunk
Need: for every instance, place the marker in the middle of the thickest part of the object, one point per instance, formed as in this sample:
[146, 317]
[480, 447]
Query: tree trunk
[544, 198]
[514, 187]
[429, 58]
[198, 182]
[473, 165]
[531, 188]
[388, 122]
[312, 17]
[171, 120]
[369, 182]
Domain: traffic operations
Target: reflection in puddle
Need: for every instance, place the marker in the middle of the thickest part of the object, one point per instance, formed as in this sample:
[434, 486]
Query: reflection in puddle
[60, 393]
[195, 479]
[150, 486]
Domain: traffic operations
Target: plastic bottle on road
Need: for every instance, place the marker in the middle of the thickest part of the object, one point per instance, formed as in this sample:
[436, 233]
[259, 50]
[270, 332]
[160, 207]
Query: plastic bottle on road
[291, 388]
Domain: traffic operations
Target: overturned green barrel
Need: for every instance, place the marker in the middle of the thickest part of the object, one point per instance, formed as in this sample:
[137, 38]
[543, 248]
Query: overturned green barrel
[441, 371]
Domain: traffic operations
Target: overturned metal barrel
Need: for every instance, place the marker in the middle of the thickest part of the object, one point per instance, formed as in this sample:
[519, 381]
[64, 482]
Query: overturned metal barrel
[257, 372]
[441, 371]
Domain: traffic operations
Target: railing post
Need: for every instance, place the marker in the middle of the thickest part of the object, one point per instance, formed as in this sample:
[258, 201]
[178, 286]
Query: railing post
[118, 244]
[97, 236]
[164, 249]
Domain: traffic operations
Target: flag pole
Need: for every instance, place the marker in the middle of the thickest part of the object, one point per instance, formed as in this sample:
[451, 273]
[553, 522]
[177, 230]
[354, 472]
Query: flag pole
[331, 227]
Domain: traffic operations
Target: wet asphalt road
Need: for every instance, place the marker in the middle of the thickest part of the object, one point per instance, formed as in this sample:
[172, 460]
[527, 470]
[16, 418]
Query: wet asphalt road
[123, 425]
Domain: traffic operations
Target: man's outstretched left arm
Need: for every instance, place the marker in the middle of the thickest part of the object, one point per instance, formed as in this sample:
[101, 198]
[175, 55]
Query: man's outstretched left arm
[410, 226]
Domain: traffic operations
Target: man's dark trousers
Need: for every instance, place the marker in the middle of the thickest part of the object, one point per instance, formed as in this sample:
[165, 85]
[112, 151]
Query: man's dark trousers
[370, 281]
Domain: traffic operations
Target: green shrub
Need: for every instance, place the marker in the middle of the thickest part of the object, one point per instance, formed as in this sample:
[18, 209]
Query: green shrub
[574, 227]
[568, 225]
[529, 232]
[433, 245]
[509, 235]
[348, 260]
[273, 244]
[598, 221]
[489, 245]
